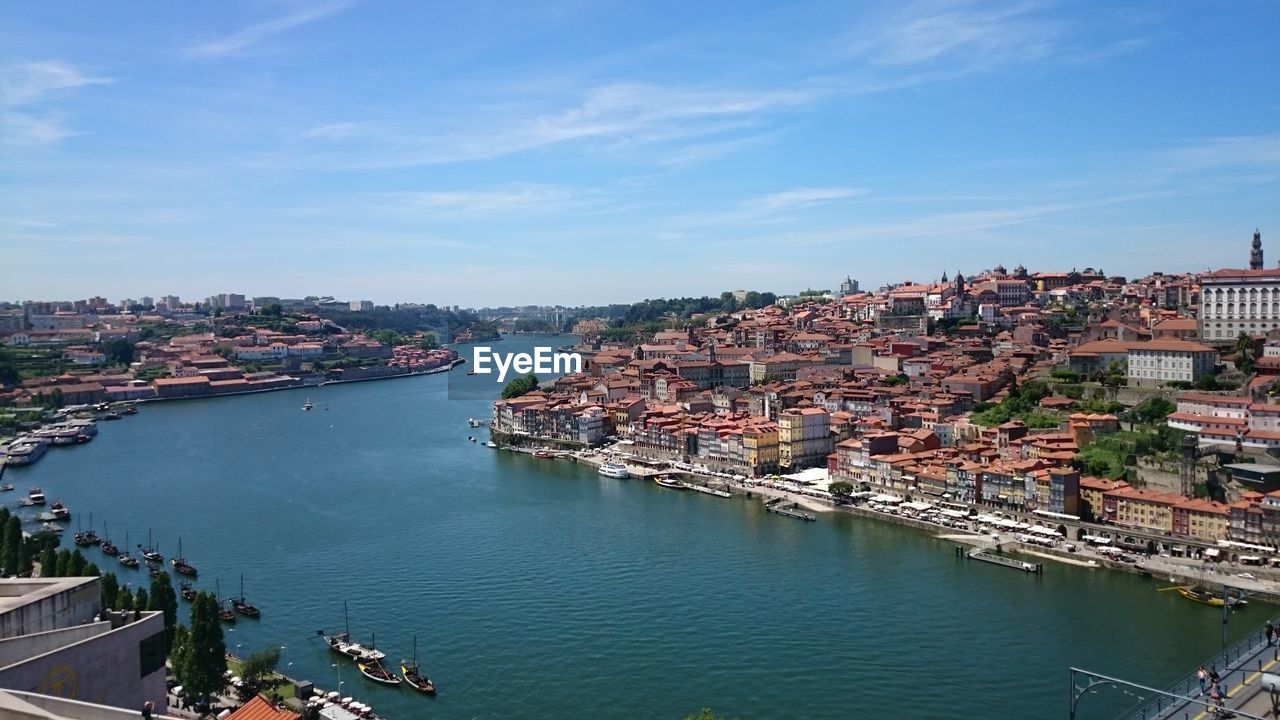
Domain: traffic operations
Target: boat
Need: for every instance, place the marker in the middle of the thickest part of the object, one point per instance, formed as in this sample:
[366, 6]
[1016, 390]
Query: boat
[1200, 594]
[7, 487]
[307, 405]
[544, 454]
[667, 482]
[59, 511]
[52, 527]
[149, 553]
[491, 444]
[125, 558]
[130, 409]
[341, 643]
[224, 614]
[36, 496]
[180, 564]
[81, 540]
[188, 593]
[614, 470]
[412, 673]
[375, 671]
[241, 605]
[26, 451]
[108, 547]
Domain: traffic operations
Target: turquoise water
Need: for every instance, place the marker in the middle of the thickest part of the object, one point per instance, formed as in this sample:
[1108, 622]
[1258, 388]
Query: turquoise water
[538, 589]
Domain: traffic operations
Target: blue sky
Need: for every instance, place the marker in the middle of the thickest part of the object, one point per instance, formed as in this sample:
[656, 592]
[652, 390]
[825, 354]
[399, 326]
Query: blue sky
[563, 152]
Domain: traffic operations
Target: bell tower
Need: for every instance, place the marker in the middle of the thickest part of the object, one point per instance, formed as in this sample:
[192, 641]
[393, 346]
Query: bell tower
[1255, 254]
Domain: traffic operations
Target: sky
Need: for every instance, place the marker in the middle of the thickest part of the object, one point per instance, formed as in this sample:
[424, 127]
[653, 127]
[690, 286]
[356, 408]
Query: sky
[491, 153]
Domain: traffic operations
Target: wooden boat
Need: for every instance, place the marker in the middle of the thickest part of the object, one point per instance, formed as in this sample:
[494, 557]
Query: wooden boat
[81, 540]
[242, 606]
[341, 644]
[667, 482]
[542, 454]
[60, 511]
[412, 673]
[1197, 593]
[188, 593]
[374, 670]
[180, 564]
[125, 558]
[150, 553]
[224, 614]
[108, 547]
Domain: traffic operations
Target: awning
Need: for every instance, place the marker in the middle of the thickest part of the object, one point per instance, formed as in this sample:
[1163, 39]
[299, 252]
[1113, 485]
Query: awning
[1212, 552]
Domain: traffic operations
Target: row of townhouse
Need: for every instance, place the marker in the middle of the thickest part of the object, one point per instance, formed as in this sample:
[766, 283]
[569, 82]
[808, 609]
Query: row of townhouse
[537, 415]
[1227, 420]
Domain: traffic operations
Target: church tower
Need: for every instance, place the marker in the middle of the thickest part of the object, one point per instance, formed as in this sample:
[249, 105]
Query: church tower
[1255, 255]
[959, 285]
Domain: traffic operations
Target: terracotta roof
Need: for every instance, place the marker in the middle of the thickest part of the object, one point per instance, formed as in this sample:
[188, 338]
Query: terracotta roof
[260, 709]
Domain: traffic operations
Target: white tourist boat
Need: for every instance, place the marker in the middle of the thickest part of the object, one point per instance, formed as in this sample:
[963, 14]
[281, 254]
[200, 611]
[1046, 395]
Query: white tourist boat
[615, 470]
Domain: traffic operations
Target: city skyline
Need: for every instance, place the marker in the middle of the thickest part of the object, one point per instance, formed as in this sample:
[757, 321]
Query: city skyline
[583, 155]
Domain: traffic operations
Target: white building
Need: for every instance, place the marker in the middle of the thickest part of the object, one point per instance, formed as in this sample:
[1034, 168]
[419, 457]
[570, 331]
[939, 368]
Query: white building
[1159, 361]
[361, 305]
[1236, 301]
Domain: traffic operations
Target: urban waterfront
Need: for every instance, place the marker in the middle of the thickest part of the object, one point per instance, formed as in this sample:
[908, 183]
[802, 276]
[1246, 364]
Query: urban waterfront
[537, 587]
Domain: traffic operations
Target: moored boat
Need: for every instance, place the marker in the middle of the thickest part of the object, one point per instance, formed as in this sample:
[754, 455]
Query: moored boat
[1200, 594]
[36, 496]
[341, 643]
[412, 673]
[543, 454]
[60, 512]
[125, 558]
[667, 482]
[188, 593]
[7, 487]
[374, 670]
[241, 605]
[614, 470]
[180, 564]
[307, 405]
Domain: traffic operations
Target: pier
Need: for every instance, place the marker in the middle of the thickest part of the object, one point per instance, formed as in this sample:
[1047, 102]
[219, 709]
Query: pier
[990, 552]
[708, 490]
[778, 506]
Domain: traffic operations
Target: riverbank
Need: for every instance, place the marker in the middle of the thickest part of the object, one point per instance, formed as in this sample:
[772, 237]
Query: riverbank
[311, 381]
[1082, 556]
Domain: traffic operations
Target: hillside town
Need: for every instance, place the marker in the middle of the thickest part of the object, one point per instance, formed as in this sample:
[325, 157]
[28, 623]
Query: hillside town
[1144, 402]
[93, 351]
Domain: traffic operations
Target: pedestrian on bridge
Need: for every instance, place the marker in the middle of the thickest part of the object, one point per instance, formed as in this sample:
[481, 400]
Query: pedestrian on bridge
[1203, 676]
[1270, 630]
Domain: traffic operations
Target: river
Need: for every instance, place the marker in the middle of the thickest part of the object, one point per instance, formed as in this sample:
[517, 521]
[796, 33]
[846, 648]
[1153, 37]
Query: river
[537, 588]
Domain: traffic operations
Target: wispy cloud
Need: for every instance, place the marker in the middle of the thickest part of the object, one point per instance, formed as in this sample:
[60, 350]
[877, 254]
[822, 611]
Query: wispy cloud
[1224, 152]
[507, 199]
[242, 40]
[338, 131]
[773, 207]
[964, 34]
[28, 83]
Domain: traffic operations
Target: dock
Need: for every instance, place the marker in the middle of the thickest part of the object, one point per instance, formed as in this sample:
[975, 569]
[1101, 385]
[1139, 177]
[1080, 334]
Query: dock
[989, 552]
[792, 510]
[708, 490]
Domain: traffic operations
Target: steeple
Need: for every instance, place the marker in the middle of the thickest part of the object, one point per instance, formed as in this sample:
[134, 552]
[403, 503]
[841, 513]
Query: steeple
[1255, 255]
[944, 277]
[959, 285]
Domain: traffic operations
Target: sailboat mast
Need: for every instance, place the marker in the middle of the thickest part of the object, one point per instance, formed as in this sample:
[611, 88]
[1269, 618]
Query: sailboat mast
[346, 621]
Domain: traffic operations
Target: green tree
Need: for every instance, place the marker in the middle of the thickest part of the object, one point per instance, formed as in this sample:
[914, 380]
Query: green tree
[200, 659]
[75, 568]
[12, 542]
[124, 599]
[118, 351]
[1245, 348]
[48, 561]
[840, 488]
[63, 563]
[165, 599]
[141, 600]
[520, 386]
[259, 667]
[26, 554]
[9, 374]
[110, 590]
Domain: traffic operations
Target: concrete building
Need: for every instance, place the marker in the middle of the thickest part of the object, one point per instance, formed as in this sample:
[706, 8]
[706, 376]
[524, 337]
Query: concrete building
[804, 437]
[1159, 361]
[1236, 301]
[361, 305]
[56, 640]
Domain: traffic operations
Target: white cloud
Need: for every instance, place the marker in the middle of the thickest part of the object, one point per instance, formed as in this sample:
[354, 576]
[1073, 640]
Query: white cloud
[519, 198]
[1230, 151]
[26, 129]
[27, 83]
[337, 131]
[975, 35]
[242, 40]
[806, 196]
